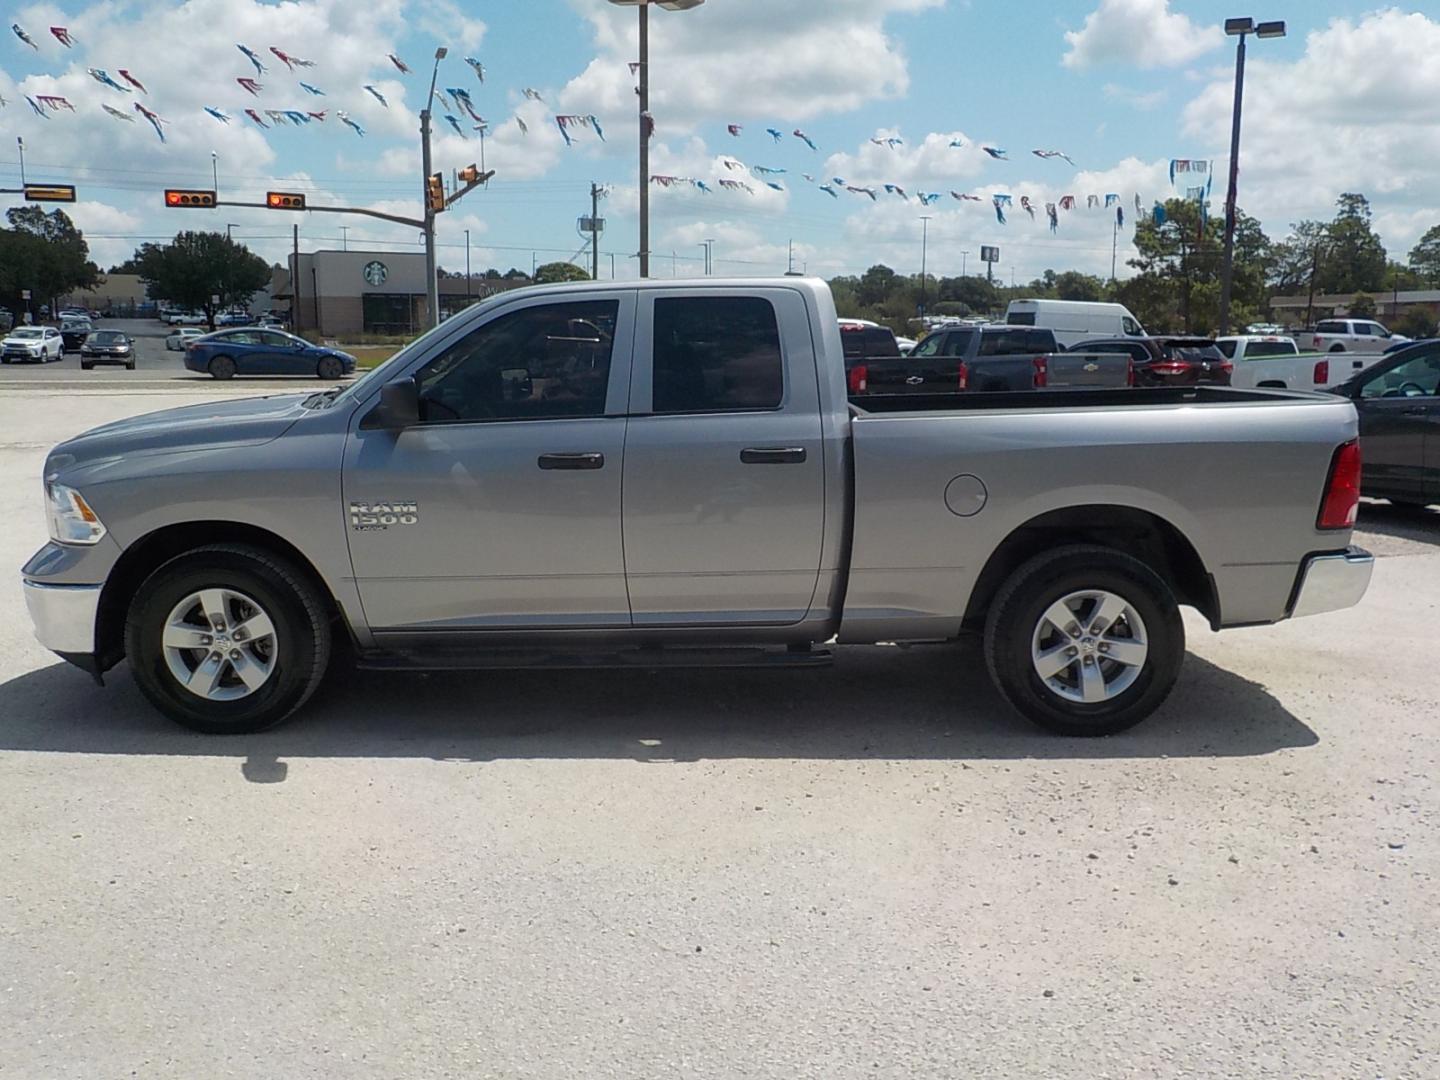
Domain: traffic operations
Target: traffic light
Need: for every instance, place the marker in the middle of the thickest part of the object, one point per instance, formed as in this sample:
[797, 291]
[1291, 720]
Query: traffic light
[187, 199]
[50, 192]
[470, 174]
[284, 200]
[435, 193]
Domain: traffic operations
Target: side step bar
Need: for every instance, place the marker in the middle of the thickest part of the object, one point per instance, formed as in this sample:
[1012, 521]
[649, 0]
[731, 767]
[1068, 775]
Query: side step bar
[559, 659]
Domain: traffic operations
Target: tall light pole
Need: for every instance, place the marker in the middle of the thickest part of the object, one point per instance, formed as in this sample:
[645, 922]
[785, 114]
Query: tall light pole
[228, 234]
[467, 267]
[646, 123]
[432, 287]
[1237, 28]
[924, 251]
[344, 237]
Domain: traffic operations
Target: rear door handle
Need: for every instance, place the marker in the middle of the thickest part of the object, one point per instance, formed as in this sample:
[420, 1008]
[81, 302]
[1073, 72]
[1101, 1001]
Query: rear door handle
[773, 455]
[572, 461]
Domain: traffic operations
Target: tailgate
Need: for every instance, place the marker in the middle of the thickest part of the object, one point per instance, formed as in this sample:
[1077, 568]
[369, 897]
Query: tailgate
[1087, 370]
[904, 375]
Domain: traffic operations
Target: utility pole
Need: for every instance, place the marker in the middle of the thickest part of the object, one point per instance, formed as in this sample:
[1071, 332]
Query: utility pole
[962, 261]
[594, 231]
[295, 280]
[432, 286]
[215, 171]
[344, 237]
[790, 265]
[20, 143]
[645, 123]
[1114, 242]
[1310, 300]
[924, 251]
[467, 267]
[709, 246]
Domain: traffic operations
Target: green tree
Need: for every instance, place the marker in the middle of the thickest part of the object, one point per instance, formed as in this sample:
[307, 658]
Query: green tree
[876, 284]
[1073, 285]
[1354, 258]
[1295, 258]
[197, 266]
[1425, 257]
[44, 253]
[977, 294]
[554, 272]
[1362, 307]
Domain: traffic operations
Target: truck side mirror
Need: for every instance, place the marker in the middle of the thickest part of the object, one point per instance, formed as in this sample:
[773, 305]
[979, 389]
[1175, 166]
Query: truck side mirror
[399, 406]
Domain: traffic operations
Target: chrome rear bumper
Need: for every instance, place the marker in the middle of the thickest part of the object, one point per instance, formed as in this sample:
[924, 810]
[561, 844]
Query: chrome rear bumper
[1332, 582]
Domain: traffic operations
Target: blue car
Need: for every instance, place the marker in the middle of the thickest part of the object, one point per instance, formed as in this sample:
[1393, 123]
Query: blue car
[253, 351]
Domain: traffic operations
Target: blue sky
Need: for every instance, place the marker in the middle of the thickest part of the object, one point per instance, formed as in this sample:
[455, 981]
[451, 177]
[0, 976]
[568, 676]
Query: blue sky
[1121, 86]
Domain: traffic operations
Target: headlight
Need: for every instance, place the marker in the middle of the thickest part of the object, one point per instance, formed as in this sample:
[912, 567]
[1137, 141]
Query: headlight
[71, 519]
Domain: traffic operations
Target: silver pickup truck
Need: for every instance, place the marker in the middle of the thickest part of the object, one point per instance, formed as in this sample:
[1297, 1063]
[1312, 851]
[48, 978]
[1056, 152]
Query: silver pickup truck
[658, 474]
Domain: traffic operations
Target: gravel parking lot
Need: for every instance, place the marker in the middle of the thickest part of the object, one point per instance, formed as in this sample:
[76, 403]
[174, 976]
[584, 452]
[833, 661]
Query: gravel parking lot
[872, 870]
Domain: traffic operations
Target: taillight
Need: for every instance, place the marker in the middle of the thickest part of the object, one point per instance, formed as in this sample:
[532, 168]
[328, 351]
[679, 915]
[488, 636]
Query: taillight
[1130, 377]
[1322, 372]
[1317, 342]
[859, 379]
[1041, 374]
[1342, 490]
[1170, 367]
[963, 376]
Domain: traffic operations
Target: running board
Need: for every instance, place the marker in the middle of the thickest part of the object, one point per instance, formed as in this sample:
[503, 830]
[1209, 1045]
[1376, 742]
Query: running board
[557, 659]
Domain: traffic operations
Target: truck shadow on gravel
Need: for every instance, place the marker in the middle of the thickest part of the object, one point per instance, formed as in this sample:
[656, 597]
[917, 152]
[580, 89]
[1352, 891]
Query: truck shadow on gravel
[1400, 522]
[883, 703]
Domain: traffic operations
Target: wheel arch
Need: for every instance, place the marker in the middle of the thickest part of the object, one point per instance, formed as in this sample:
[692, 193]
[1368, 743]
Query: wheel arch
[150, 552]
[1140, 533]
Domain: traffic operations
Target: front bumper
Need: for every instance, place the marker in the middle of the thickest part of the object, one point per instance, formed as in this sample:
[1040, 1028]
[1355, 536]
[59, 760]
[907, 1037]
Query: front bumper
[1332, 582]
[64, 615]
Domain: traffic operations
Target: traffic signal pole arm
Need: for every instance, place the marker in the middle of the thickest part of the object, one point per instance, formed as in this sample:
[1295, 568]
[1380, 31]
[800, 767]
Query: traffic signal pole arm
[414, 223]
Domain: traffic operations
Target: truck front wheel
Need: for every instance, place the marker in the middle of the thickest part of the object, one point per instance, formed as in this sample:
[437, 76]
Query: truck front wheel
[227, 639]
[1084, 640]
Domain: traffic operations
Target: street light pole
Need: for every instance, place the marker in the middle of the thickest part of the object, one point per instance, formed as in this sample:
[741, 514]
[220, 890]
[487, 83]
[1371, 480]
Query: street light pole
[467, 267]
[432, 286]
[643, 71]
[1237, 28]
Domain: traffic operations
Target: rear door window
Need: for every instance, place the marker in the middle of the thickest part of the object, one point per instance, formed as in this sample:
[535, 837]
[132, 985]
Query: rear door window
[1020, 318]
[1331, 328]
[1016, 342]
[716, 354]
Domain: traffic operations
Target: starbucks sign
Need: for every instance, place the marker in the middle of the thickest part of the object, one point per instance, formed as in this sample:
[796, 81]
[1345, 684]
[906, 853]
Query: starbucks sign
[375, 273]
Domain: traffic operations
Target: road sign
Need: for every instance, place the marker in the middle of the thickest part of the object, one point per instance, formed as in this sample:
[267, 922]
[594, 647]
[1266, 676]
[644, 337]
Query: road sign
[214, 298]
[989, 254]
[24, 294]
[186, 198]
[50, 192]
[284, 200]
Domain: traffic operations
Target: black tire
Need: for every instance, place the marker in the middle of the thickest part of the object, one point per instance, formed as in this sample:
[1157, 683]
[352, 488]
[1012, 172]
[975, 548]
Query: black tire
[1017, 612]
[129, 365]
[221, 367]
[1337, 348]
[329, 368]
[302, 637]
[86, 367]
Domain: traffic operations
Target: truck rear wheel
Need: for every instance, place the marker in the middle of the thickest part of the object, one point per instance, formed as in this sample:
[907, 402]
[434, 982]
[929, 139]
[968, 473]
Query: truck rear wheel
[227, 639]
[1084, 640]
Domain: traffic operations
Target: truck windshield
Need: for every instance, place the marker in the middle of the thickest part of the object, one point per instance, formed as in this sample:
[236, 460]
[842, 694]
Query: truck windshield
[868, 341]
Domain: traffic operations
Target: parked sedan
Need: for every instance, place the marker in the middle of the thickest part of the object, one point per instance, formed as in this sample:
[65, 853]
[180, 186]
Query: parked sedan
[178, 339]
[1168, 361]
[253, 351]
[40, 343]
[107, 347]
[1398, 399]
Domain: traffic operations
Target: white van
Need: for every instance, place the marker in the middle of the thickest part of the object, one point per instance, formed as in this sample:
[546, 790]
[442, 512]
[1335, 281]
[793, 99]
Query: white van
[1074, 321]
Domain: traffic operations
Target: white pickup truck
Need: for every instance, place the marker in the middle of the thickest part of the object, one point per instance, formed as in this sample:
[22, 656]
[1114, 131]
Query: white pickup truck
[1274, 362]
[656, 474]
[1348, 335]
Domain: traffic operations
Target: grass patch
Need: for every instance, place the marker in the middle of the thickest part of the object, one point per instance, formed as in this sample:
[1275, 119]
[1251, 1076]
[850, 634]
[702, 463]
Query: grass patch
[369, 356]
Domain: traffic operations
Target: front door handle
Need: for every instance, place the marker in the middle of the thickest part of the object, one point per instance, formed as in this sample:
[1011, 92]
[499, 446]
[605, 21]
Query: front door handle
[572, 461]
[773, 455]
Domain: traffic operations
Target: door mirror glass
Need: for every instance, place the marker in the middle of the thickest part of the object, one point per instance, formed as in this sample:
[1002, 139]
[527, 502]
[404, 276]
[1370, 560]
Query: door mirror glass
[399, 406]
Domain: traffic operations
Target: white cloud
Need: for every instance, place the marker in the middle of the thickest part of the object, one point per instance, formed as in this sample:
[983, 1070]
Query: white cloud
[1143, 33]
[1136, 99]
[1355, 113]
